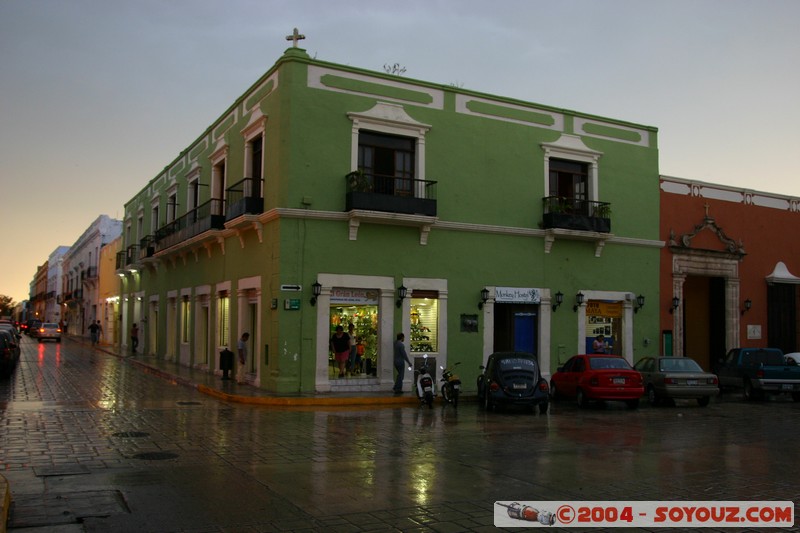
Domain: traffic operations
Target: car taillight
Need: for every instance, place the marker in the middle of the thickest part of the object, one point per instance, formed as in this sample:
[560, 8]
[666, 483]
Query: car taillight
[41, 330]
[543, 386]
[760, 373]
[670, 381]
[493, 386]
[712, 381]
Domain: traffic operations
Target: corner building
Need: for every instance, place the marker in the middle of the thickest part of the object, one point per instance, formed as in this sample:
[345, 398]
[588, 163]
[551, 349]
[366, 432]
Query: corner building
[328, 195]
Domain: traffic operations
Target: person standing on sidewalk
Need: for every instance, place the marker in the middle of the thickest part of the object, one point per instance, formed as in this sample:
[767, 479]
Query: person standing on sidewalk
[94, 332]
[241, 347]
[134, 337]
[400, 360]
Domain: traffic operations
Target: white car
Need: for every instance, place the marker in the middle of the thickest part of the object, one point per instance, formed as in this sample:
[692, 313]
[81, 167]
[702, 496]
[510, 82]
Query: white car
[49, 330]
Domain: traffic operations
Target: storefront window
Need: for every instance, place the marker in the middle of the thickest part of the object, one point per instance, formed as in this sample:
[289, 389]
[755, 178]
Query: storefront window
[604, 318]
[360, 308]
[425, 322]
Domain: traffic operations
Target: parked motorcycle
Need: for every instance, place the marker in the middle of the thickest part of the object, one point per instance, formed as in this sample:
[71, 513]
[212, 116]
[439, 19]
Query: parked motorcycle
[451, 385]
[424, 382]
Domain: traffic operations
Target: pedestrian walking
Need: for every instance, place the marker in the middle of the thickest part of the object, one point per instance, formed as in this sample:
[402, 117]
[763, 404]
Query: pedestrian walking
[134, 337]
[400, 361]
[340, 346]
[94, 332]
[242, 349]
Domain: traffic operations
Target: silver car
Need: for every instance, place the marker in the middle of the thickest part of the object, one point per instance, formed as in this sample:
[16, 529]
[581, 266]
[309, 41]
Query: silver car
[49, 330]
[671, 378]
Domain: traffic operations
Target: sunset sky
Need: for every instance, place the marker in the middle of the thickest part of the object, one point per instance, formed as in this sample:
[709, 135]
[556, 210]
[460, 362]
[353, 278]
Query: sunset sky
[98, 96]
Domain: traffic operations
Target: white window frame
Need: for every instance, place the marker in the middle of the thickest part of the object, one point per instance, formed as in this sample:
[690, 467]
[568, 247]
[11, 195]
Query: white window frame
[571, 148]
[391, 119]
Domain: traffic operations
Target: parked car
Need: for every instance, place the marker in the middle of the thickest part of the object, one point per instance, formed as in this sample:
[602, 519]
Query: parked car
[672, 378]
[597, 377]
[11, 329]
[793, 358]
[33, 327]
[759, 371]
[49, 330]
[9, 353]
[513, 378]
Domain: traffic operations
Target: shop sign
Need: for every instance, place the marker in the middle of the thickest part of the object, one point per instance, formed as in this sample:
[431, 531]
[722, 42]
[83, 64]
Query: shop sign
[606, 309]
[341, 295]
[517, 295]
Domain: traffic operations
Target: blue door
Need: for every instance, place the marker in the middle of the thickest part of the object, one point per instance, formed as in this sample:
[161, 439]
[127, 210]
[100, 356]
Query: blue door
[525, 332]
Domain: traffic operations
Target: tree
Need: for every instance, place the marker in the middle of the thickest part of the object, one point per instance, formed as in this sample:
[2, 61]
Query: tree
[7, 305]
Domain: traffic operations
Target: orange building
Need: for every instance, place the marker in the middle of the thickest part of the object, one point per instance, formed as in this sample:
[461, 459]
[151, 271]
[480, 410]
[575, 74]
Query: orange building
[730, 269]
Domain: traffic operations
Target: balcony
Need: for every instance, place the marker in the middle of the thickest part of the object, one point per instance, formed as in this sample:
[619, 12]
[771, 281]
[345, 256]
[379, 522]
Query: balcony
[131, 254]
[373, 192]
[576, 214]
[147, 247]
[244, 198]
[208, 216]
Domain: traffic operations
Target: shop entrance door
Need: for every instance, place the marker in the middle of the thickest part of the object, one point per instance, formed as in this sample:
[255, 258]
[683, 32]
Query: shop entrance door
[525, 332]
[515, 328]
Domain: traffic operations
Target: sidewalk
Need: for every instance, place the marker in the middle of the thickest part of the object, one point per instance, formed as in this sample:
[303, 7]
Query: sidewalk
[214, 385]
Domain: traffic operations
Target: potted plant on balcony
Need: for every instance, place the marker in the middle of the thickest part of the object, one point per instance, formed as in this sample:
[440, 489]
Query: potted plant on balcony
[357, 181]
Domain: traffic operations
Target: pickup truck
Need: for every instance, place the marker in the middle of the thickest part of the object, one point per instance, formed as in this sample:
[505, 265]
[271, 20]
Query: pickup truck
[759, 371]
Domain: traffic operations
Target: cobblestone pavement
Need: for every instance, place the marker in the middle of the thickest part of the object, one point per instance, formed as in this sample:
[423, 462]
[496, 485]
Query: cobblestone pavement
[90, 442]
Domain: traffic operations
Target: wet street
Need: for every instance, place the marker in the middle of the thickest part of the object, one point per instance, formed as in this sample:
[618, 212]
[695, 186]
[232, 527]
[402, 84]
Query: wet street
[90, 442]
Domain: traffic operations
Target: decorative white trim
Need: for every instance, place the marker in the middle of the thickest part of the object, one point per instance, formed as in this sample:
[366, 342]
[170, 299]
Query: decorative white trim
[461, 107]
[781, 274]
[316, 73]
[579, 122]
[727, 193]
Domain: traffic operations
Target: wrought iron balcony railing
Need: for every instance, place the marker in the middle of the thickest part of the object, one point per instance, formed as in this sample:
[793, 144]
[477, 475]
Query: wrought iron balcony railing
[210, 215]
[391, 194]
[576, 214]
[244, 198]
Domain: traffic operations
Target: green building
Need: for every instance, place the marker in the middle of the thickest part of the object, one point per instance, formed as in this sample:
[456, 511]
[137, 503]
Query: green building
[328, 195]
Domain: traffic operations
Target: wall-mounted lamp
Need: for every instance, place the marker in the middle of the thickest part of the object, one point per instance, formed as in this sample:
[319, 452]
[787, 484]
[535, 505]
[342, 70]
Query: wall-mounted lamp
[484, 297]
[559, 300]
[639, 303]
[579, 299]
[747, 305]
[316, 290]
[675, 303]
[402, 292]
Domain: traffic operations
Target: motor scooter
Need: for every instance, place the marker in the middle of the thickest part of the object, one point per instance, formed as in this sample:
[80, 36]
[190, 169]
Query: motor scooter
[451, 385]
[424, 383]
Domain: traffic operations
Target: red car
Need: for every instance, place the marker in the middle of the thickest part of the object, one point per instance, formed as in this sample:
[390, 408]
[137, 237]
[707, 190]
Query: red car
[597, 377]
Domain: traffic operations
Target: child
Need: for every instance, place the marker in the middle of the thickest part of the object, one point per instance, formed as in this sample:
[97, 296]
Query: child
[359, 354]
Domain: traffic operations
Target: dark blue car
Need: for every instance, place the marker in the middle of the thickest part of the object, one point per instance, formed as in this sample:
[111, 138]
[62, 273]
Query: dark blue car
[513, 378]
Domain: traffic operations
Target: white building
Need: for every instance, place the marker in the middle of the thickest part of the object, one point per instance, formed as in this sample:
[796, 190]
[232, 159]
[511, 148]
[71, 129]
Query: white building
[80, 276]
[53, 297]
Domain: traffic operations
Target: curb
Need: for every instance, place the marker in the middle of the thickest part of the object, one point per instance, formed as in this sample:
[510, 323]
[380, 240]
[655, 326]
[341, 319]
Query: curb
[5, 502]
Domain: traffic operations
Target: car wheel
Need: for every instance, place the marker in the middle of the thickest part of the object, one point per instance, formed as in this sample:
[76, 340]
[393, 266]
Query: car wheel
[581, 398]
[651, 395]
[543, 407]
[749, 393]
[553, 393]
[632, 404]
[702, 402]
